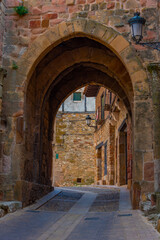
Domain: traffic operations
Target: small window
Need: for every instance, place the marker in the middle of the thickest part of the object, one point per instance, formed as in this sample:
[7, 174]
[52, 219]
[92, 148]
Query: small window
[102, 106]
[79, 180]
[77, 96]
[110, 98]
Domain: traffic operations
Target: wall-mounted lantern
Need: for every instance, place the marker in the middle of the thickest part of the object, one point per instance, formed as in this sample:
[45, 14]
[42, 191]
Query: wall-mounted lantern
[137, 24]
[88, 121]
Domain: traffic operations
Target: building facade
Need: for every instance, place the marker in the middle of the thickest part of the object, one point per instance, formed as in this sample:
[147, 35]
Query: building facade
[112, 138]
[74, 143]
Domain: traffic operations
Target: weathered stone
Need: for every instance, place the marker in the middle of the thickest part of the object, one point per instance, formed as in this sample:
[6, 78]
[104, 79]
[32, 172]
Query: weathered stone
[119, 44]
[11, 206]
[149, 171]
[83, 14]
[153, 199]
[158, 225]
[86, 7]
[35, 23]
[147, 208]
[132, 4]
[143, 197]
[147, 187]
[70, 2]
[94, 7]
[2, 213]
[148, 156]
[70, 138]
[153, 217]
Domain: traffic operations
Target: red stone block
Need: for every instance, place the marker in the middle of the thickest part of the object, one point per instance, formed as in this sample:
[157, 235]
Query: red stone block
[149, 171]
[34, 23]
[60, 8]
[138, 47]
[110, 5]
[48, 8]
[143, 3]
[73, 8]
[129, 175]
[54, 22]
[150, 35]
[90, 1]
[54, 1]
[151, 3]
[49, 16]
[45, 23]
[81, 1]
[36, 11]
[12, 3]
[61, 2]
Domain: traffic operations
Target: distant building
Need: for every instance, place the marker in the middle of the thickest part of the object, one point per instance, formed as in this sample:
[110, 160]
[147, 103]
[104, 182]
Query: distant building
[78, 102]
[74, 144]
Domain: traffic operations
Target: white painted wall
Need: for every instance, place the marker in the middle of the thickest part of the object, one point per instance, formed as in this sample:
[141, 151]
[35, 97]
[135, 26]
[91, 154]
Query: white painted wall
[79, 106]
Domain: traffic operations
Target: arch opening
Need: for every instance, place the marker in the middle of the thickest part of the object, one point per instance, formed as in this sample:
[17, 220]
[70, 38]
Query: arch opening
[72, 64]
[98, 153]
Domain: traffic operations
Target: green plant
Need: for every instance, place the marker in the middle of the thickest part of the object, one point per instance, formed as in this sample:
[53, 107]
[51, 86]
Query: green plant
[14, 65]
[21, 10]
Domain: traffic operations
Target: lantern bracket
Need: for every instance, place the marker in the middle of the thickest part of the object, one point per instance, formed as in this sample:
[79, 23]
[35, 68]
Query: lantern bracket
[154, 45]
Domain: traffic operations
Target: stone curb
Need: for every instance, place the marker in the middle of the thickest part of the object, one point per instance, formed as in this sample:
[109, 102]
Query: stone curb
[9, 207]
[43, 200]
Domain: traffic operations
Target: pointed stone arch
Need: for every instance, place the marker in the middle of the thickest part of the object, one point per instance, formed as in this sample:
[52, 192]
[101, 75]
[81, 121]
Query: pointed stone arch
[127, 68]
[83, 28]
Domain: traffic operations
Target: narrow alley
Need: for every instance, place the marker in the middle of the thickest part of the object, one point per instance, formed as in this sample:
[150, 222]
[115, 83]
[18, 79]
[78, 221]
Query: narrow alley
[79, 213]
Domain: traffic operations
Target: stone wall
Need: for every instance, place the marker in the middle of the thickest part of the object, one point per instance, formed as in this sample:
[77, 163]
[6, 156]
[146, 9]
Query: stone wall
[21, 31]
[75, 150]
[42, 48]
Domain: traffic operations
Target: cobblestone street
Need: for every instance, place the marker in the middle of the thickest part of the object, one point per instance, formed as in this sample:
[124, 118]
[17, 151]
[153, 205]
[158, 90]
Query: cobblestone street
[83, 213]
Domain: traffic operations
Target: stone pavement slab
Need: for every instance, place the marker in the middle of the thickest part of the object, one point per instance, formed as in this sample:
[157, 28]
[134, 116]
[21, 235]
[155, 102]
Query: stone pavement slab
[66, 224]
[27, 225]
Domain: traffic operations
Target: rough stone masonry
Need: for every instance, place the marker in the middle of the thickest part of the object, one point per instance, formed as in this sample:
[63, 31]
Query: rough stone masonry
[56, 48]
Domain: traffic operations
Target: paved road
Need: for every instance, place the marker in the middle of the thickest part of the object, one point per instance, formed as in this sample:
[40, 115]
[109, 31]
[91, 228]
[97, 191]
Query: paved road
[84, 213]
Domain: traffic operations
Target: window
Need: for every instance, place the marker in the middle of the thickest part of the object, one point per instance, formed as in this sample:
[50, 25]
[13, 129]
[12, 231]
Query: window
[102, 106]
[110, 98]
[77, 96]
[105, 159]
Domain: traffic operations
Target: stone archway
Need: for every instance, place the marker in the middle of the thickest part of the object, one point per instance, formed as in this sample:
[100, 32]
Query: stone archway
[45, 70]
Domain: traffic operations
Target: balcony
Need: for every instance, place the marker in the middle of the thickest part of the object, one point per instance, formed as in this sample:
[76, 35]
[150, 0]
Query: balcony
[99, 116]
